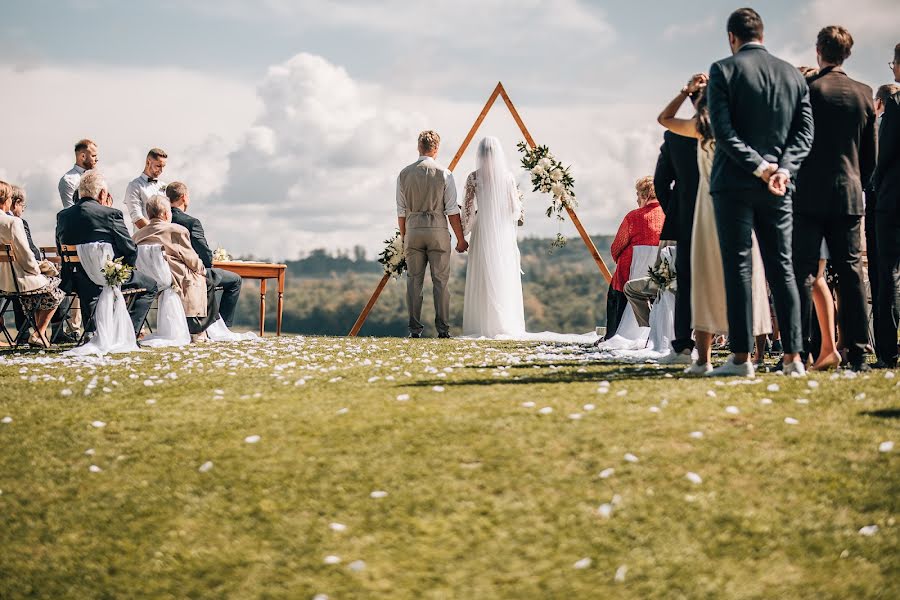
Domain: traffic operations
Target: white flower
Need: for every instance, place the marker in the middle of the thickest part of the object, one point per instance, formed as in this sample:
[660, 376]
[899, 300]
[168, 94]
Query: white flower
[558, 190]
[545, 163]
[556, 174]
[538, 170]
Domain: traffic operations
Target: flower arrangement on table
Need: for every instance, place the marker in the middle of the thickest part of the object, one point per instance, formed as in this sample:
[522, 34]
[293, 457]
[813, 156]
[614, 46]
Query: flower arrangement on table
[549, 176]
[393, 257]
[221, 255]
[116, 272]
[663, 274]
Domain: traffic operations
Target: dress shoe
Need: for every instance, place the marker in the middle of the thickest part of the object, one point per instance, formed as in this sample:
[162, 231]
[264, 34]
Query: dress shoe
[698, 369]
[860, 366]
[733, 369]
[777, 348]
[444, 335]
[883, 365]
[66, 338]
[415, 336]
[676, 358]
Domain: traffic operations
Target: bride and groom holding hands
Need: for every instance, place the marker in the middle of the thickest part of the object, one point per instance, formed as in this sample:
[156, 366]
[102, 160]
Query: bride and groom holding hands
[426, 201]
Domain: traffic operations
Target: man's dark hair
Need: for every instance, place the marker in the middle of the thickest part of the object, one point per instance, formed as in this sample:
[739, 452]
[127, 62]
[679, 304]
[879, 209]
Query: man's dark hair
[746, 25]
[176, 191]
[885, 92]
[834, 44]
[897, 53]
[157, 153]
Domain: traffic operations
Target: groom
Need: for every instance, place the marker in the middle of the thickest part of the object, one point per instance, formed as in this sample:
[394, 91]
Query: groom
[760, 112]
[426, 198]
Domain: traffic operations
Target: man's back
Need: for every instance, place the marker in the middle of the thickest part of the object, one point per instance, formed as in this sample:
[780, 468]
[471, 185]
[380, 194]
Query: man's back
[887, 177]
[843, 151]
[758, 104]
[422, 185]
[198, 236]
[89, 221]
[678, 164]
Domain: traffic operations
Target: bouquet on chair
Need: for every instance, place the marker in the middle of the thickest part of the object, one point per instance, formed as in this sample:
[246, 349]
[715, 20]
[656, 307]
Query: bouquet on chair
[221, 255]
[663, 274]
[116, 272]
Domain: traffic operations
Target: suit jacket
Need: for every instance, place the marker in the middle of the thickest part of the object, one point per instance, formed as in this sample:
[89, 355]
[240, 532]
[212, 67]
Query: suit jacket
[759, 110]
[89, 221]
[675, 181]
[26, 270]
[198, 237]
[34, 249]
[188, 272]
[887, 171]
[830, 181]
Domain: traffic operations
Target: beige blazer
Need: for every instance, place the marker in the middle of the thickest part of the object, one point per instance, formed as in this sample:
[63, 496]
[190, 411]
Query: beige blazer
[27, 271]
[188, 272]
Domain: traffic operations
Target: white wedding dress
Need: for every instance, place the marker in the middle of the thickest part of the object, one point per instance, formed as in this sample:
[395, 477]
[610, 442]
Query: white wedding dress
[493, 307]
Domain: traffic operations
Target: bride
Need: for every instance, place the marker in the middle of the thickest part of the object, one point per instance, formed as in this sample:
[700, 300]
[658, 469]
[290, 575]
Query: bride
[493, 300]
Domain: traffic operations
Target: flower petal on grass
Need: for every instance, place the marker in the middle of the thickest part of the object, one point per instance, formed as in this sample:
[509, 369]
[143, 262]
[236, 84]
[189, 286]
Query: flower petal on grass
[605, 510]
[357, 566]
[6, 420]
[252, 439]
[732, 410]
[94, 469]
[584, 563]
[546, 410]
[206, 467]
[338, 527]
[378, 494]
[403, 397]
[528, 404]
[620, 574]
[437, 388]
[98, 424]
[886, 446]
[696, 434]
[869, 530]
[331, 559]
[791, 421]
[629, 457]
[607, 473]
[693, 478]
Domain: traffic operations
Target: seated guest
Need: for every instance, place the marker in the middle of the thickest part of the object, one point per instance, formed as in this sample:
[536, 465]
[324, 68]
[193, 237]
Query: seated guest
[641, 227]
[92, 219]
[25, 274]
[195, 286]
[231, 283]
[85, 160]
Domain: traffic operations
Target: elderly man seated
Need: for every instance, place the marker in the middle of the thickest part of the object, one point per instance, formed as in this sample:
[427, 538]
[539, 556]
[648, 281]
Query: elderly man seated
[194, 283]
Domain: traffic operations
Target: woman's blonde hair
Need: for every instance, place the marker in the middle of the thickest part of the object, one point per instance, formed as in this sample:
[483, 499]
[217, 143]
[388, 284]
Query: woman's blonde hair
[644, 187]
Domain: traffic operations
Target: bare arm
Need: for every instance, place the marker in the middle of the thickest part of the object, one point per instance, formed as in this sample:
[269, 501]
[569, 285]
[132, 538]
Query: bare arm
[667, 118]
[456, 224]
[401, 224]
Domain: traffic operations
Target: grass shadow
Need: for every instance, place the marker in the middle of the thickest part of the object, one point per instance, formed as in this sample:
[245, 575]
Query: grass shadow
[883, 413]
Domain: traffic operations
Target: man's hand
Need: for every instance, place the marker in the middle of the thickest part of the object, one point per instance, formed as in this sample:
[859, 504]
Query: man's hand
[767, 174]
[778, 183]
[462, 245]
[141, 223]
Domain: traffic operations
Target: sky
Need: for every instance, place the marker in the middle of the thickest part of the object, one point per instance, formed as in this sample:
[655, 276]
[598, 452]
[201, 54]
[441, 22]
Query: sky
[289, 120]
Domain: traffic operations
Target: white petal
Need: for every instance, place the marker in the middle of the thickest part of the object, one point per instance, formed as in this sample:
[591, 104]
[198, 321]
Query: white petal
[403, 397]
[869, 530]
[528, 404]
[98, 424]
[94, 469]
[89, 452]
[546, 410]
[791, 420]
[584, 563]
[378, 494]
[575, 416]
[812, 384]
[694, 478]
[151, 401]
[654, 409]
[6, 420]
[438, 388]
[885, 446]
[331, 559]
[696, 434]
[357, 566]
[252, 439]
[773, 387]
[620, 574]
[589, 407]
[206, 467]
[732, 410]
[339, 527]
[766, 401]
[607, 473]
[710, 393]
[66, 392]
[605, 510]
[630, 457]
[343, 411]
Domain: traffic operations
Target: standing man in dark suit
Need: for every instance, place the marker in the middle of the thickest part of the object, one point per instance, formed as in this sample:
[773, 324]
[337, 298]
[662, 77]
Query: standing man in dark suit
[828, 202]
[886, 182]
[760, 114]
[180, 200]
[92, 219]
[675, 182]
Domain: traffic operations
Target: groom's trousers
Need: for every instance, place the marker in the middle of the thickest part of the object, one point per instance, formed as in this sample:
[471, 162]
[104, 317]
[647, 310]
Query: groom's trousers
[428, 247]
[738, 214]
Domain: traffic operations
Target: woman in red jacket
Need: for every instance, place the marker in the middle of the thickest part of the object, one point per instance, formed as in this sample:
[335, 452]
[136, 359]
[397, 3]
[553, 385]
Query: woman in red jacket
[640, 227]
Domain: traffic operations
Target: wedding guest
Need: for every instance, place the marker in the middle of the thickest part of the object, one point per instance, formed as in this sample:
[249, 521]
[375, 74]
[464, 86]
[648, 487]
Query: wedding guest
[26, 273]
[881, 97]
[180, 200]
[195, 285]
[86, 158]
[92, 219]
[886, 182]
[675, 182]
[145, 185]
[828, 202]
[709, 316]
[640, 227]
[762, 120]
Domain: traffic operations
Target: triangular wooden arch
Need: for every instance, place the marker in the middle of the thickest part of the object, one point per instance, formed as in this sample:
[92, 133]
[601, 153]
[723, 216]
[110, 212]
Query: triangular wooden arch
[499, 91]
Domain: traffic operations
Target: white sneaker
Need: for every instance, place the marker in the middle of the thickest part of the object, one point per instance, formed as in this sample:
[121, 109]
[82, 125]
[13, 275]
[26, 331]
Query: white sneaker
[794, 369]
[676, 358]
[698, 369]
[732, 369]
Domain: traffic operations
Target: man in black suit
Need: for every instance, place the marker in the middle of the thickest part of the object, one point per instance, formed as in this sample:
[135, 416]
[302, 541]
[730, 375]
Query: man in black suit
[675, 182]
[886, 182]
[761, 116]
[92, 219]
[180, 200]
[828, 202]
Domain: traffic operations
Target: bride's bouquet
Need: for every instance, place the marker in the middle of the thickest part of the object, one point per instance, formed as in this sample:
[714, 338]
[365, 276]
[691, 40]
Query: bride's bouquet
[116, 272]
[663, 274]
[393, 257]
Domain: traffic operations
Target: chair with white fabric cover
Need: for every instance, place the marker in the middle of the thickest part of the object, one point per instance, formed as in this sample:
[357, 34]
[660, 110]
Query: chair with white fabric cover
[630, 335]
[171, 323]
[662, 313]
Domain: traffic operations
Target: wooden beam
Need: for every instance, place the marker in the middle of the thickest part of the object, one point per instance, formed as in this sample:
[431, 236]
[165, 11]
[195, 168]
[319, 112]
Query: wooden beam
[478, 121]
[365, 313]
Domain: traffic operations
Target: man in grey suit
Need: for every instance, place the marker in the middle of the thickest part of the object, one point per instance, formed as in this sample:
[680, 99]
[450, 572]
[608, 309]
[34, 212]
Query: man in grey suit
[761, 116]
[426, 199]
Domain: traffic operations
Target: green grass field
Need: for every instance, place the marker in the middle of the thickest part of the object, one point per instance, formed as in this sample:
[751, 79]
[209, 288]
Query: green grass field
[487, 493]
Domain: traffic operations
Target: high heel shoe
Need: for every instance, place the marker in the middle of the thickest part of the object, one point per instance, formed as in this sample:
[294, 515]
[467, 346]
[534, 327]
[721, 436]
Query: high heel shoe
[38, 341]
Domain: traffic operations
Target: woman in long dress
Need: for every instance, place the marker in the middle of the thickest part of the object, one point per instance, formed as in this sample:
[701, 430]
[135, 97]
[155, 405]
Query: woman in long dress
[708, 302]
[493, 300]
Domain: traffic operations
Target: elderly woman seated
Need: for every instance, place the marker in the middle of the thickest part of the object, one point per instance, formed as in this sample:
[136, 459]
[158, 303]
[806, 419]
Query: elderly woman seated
[190, 278]
[26, 274]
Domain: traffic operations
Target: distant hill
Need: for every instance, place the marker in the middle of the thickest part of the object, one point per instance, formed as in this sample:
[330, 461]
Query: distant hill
[326, 291]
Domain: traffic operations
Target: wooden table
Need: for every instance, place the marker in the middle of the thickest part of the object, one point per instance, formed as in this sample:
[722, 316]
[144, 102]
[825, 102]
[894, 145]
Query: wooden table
[263, 272]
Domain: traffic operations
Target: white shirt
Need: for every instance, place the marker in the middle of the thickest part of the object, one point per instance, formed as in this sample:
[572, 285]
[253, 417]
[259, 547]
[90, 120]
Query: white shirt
[138, 192]
[450, 206]
[68, 183]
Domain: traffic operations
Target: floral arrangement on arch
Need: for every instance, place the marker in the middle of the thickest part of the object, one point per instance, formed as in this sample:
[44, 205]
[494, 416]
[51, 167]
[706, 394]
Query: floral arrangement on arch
[116, 272]
[663, 274]
[549, 176]
[393, 257]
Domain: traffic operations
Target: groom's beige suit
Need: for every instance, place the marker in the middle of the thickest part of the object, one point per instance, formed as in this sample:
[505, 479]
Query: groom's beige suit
[426, 196]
